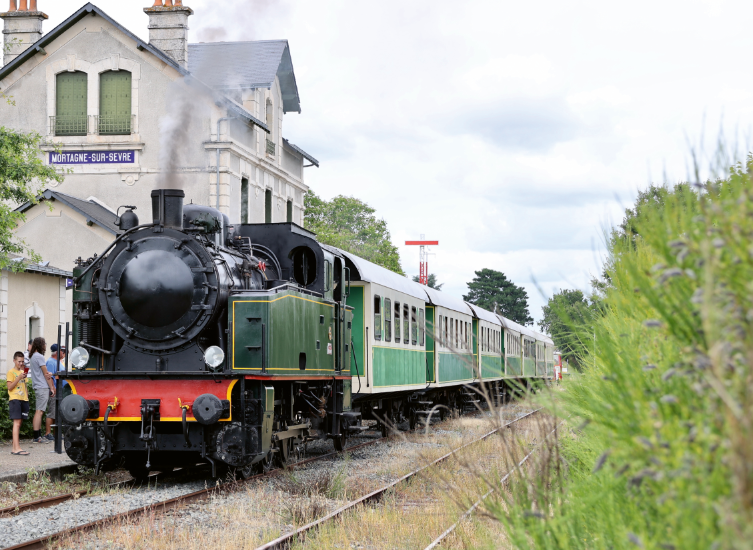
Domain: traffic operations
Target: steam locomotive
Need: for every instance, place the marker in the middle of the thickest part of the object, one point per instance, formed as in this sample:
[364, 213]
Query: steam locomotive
[200, 342]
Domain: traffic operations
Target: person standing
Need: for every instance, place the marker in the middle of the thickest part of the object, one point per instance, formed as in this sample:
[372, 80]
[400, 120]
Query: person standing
[52, 368]
[41, 381]
[18, 400]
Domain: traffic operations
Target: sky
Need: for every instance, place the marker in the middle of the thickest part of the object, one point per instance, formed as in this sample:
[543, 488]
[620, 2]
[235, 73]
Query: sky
[513, 133]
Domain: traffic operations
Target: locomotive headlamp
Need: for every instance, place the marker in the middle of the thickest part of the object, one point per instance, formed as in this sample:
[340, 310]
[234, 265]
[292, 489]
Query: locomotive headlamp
[214, 356]
[79, 357]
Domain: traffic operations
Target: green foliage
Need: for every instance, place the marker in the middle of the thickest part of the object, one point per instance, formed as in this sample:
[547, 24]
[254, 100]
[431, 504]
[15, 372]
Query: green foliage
[349, 224]
[23, 175]
[567, 315]
[6, 424]
[431, 281]
[493, 291]
[666, 459]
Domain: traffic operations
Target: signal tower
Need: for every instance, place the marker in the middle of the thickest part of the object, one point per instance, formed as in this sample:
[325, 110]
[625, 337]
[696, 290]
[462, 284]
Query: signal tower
[423, 276]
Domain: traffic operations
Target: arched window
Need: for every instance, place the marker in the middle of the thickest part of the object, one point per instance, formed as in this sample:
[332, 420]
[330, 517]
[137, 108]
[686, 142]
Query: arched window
[70, 104]
[115, 103]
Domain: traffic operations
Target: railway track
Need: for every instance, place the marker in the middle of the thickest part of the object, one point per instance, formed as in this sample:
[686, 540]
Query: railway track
[437, 542]
[17, 509]
[42, 542]
[285, 541]
[166, 505]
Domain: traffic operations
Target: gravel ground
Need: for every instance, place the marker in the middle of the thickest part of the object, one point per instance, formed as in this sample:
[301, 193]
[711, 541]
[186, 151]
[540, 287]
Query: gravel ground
[278, 493]
[47, 521]
[267, 508]
[39, 523]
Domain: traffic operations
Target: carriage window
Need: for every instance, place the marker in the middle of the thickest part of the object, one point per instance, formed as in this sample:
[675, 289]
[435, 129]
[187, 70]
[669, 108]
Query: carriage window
[397, 322]
[377, 318]
[387, 320]
[467, 336]
[456, 334]
[460, 336]
[406, 325]
[421, 326]
[413, 326]
[446, 336]
[438, 331]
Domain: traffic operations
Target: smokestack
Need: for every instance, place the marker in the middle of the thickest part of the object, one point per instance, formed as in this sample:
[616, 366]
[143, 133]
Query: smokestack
[167, 207]
[168, 28]
[23, 27]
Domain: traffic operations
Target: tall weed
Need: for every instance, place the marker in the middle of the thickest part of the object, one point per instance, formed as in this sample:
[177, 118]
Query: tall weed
[663, 455]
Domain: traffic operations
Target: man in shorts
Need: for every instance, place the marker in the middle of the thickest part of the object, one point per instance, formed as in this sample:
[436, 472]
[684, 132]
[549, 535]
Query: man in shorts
[18, 400]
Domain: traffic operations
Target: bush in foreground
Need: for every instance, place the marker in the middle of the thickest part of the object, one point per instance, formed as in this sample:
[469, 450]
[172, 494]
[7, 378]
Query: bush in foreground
[663, 453]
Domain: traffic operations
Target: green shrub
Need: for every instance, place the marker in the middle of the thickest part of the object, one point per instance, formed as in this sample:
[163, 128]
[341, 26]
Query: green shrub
[6, 424]
[664, 455]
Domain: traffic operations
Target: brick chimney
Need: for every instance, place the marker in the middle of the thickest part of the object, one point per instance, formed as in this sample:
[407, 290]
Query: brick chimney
[23, 27]
[168, 28]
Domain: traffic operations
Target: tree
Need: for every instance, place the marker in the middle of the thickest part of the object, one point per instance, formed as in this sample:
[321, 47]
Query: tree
[350, 224]
[568, 318]
[493, 290]
[23, 175]
[431, 281]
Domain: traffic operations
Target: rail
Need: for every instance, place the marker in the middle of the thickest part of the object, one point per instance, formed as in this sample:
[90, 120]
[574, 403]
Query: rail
[438, 541]
[287, 540]
[43, 542]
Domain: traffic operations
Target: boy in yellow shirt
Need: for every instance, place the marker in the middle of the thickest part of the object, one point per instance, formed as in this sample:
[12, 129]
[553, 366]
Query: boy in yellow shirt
[18, 400]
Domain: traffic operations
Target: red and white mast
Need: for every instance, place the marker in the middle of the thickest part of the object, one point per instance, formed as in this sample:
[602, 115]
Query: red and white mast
[423, 276]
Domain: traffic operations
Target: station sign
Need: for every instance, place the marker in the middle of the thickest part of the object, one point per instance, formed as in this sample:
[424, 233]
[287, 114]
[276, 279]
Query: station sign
[93, 157]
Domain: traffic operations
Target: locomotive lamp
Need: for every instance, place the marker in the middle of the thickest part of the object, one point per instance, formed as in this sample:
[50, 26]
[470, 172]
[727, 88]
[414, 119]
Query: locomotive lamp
[79, 358]
[214, 356]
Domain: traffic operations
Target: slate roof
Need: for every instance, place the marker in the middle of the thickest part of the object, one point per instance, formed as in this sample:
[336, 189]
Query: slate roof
[43, 268]
[91, 210]
[233, 65]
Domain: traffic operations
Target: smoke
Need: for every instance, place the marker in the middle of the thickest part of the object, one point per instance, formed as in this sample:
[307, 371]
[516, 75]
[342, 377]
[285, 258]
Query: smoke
[237, 20]
[187, 110]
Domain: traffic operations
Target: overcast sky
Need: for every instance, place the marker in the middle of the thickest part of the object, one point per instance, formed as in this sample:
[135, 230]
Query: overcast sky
[512, 132]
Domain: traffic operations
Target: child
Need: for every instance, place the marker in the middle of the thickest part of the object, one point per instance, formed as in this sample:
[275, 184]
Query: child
[18, 400]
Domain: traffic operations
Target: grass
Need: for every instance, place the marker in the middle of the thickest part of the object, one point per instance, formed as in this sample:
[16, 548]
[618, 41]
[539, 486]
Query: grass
[660, 450]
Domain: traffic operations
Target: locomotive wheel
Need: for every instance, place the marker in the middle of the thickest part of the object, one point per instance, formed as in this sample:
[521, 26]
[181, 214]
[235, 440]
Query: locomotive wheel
[286, 451]
[388, 420]
[267, 463]
[240, 473]
[339, 442]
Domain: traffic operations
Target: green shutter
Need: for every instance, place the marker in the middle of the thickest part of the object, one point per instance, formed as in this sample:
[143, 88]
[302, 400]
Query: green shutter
[70, 110]
[115, 103]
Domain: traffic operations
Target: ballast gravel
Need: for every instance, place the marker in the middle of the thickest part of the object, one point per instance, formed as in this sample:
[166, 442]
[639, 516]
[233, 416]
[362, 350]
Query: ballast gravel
[47, 521]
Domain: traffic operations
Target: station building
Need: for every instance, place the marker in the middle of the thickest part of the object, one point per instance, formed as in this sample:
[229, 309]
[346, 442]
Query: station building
[124, 116]
[121, 116]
